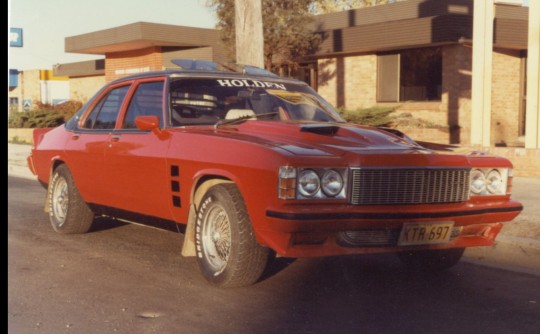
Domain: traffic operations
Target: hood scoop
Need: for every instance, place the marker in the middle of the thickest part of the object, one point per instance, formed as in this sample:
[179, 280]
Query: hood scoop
[320, 129]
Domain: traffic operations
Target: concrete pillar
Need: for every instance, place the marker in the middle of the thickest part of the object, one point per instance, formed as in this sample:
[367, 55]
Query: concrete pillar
[482, 72]
[532, 120]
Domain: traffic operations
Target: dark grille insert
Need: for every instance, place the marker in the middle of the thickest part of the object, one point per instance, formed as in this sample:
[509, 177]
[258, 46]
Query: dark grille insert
[376, 237]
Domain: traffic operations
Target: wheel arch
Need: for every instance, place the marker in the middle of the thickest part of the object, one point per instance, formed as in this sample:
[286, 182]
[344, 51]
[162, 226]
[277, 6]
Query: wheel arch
[56, 161]
[200, 188]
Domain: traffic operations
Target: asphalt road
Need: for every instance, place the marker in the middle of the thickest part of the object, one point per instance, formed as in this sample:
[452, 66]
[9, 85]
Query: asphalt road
[125, 278]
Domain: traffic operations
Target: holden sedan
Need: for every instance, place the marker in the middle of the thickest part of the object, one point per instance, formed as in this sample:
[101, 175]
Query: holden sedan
[251, 165]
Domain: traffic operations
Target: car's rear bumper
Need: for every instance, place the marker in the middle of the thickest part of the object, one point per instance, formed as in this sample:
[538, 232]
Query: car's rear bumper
[30, 162]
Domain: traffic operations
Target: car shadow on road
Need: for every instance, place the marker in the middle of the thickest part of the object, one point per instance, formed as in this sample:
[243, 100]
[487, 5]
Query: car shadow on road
[275, 266]
[105, 223]
[378, 294]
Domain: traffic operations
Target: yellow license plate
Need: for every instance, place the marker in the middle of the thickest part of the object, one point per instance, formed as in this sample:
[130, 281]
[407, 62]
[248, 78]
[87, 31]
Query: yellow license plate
[425, 233]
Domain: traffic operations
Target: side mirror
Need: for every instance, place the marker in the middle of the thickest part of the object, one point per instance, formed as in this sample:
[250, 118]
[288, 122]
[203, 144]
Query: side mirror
[148, 123]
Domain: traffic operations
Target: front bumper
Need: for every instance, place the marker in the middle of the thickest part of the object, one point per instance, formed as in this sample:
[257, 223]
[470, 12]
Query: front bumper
[302, 231]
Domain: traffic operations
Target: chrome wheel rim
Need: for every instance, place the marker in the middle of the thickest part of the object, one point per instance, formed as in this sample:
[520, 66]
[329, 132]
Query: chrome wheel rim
[216, 238]
[60, 200]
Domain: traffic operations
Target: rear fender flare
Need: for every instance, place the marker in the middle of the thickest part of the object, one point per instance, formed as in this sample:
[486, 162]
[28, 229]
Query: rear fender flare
[55, 162]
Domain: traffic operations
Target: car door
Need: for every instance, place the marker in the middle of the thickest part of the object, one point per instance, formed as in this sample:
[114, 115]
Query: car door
[85, 150]
[135, 160]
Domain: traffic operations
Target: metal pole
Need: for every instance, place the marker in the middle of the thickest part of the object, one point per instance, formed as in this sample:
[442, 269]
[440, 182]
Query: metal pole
[532, 120]
[482, 72]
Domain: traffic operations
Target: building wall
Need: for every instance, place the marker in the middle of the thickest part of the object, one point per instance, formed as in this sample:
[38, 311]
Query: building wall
[54, 91]
[83, 88]
[348, 82]
[326, 79]
[28, 89]
[120, 64]
[456, 92]
[505, 98]
[361, 81]
[205, 53]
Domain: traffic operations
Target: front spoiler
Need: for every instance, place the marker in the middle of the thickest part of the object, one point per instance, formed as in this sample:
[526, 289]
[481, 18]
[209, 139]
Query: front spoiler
[387, 215]
[481, 225]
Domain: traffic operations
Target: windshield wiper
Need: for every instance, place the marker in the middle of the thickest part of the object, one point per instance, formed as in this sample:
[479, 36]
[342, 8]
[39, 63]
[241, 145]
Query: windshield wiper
[241, 119]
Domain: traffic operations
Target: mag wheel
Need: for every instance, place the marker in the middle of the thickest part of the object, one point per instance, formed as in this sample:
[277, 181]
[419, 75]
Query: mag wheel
[227, 252]
[433, 260]
[68, 212]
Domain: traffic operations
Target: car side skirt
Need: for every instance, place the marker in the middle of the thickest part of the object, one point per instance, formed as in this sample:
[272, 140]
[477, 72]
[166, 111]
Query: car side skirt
[137, 218]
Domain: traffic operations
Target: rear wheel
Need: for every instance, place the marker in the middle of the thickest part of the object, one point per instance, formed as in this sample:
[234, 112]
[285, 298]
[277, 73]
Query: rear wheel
[434, 260]
[68, 212]
[227, 252]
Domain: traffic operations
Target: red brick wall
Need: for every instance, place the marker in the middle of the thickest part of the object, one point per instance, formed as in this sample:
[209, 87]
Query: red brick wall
[349, 82]
[120, 64]
[505, 96]
[456, 91]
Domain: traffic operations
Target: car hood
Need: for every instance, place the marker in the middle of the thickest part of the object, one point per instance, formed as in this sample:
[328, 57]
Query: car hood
[334, 139]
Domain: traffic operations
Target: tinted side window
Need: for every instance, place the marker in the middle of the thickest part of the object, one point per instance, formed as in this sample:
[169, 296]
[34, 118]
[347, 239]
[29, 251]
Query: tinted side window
[105, 112]
[147, 101]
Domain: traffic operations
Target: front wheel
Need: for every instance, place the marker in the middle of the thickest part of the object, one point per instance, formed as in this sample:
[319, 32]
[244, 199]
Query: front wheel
[227, 252]
[433, 260]
[68, 212]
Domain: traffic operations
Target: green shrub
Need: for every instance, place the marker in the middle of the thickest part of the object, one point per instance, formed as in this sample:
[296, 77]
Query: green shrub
[374, 116]
[66, 109]
[44, 115]
[35, 119]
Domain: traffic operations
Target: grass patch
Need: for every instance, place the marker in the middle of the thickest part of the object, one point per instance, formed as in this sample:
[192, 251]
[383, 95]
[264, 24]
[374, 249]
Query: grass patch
[17, 140]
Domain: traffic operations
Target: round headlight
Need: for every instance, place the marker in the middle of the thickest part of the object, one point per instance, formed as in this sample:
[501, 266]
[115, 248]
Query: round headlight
[332, 183]
[478, 182]
[308, 183]
[494, 182]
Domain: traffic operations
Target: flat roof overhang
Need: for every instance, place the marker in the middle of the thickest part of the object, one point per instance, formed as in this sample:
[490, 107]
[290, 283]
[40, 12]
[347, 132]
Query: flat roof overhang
[140, 35]
[411, 24]
[80, 69]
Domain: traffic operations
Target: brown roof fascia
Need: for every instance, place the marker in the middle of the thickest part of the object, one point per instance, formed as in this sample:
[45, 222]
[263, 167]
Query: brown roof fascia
[414, 23]
[140, 35]
[80, 69]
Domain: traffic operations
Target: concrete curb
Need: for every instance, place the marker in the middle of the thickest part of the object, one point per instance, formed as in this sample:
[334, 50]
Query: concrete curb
[17, 165]
[514, 250]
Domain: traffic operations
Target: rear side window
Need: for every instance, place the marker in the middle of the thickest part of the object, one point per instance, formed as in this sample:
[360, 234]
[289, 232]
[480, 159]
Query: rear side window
[104, 114]
[147, 101]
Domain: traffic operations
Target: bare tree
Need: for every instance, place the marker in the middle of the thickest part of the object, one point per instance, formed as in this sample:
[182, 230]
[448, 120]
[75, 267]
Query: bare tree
[286, 29]
[330, 6]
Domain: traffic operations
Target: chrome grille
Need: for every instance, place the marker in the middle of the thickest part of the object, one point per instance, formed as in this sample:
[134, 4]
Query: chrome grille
[409, 185]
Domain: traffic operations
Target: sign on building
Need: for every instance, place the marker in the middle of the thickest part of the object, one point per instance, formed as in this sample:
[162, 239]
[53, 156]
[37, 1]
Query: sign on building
[16, 37]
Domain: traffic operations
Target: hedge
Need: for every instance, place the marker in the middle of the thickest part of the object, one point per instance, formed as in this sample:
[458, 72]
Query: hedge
[44, 115]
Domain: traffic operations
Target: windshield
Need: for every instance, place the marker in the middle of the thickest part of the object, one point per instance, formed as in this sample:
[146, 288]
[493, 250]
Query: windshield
[203, 101]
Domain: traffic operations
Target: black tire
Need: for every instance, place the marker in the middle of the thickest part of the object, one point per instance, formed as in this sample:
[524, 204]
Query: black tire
[227, 252]
[68, 212]
[432, 260]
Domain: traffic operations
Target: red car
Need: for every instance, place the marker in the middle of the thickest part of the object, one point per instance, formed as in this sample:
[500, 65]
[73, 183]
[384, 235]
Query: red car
[251, 164]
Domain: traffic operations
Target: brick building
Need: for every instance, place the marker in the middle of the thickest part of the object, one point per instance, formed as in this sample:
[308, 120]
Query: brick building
[28, 87]
[415, 55]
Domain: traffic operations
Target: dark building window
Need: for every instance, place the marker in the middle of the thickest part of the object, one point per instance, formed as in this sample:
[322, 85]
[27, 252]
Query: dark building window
[410, 75]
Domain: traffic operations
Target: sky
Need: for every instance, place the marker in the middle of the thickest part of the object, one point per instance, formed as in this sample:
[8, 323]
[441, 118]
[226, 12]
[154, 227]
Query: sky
[46, 23]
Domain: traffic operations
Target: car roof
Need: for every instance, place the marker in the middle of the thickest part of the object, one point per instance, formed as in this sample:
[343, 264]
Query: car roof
[205, 74]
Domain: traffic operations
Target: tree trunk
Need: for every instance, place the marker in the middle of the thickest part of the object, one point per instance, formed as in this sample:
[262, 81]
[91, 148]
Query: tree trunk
[249, 33]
